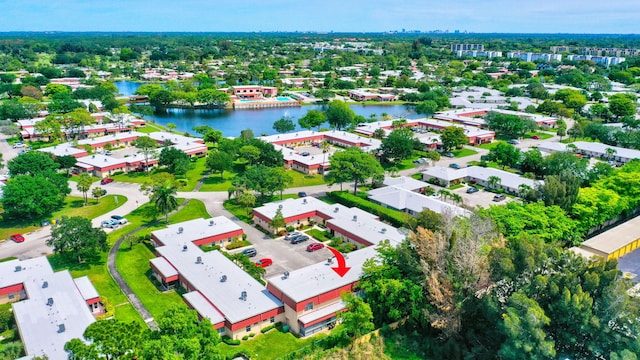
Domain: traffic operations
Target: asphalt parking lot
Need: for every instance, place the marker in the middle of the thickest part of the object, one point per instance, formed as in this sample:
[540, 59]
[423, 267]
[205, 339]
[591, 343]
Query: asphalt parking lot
[286, 256]
[481, 198]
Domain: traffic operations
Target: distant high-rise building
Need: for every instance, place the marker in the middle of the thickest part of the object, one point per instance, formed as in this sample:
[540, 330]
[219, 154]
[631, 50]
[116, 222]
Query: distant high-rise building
[465, 47]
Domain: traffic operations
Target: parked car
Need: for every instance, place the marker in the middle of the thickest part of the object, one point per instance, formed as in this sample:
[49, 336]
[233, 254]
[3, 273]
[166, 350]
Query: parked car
[499, 197]
[302, 194]
[17, 238]
[108, 152]
[111, 224]
[18, 145]
[454, 166]
[250, 252]
[535, 137]
[106, 181]
[315, 246]
[448, 154]
[119, 219]
[292, 235]
[513, 142]
[471, 190]
[299, 239]
[264, 262]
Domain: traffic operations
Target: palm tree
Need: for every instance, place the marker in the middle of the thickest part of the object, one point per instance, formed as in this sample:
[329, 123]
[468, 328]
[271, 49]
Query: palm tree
[610, 153]
[456, 198]
[494, 182]
[444, 194]
[163, 196]
[84, 181]
[325, 146]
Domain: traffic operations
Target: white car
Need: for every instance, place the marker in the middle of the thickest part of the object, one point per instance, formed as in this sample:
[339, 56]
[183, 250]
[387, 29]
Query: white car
[18, 145]
[119, 219]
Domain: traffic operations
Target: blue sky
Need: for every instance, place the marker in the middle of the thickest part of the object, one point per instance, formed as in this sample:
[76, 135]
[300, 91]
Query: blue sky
[537, 16]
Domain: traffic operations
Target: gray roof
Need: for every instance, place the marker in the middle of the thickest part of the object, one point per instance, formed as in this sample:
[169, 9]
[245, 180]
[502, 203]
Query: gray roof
[552, 146]
[602, 149]
[203, 307]
[162, 265]
[319, 278]
[86, 288]
[319, 313]
[370, 229]
[404, 182]
[402, 199]
[444, 173]
[38, 322]
[206, 277]
[196, 229]
[298, 206]
[616, 238]
[507, 179]
[63, 150]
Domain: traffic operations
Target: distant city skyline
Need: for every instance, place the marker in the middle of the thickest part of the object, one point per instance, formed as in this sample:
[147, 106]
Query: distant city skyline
[478, 16]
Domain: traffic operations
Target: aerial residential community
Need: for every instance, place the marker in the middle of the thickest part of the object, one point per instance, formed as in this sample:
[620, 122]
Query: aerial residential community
[396, 194]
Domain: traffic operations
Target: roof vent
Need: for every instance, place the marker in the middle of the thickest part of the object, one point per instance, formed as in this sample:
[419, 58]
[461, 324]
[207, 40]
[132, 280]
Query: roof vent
[223, 278]
[212, 222]
[304, 201]
[105, 160]
[336, 209]
[243, 295]
[180, 230]
[355, 218]
[199, 260]
[18, 268]
[330, 261]
[286, 274]
[45, 285]
[184, 247]
[61, 328]
[383, 230]
[50, 301]
[280, 206]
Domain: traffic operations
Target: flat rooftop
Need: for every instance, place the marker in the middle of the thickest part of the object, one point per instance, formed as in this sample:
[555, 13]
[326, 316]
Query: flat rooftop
[619, 236]
[196, 229]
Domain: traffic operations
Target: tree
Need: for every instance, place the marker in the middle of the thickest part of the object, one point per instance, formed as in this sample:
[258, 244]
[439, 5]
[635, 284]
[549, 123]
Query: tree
[97, 193]
[266, 180]
[339, 114]
[32, 163]
[621, 105]
[358, 319]
[112, 338]
[561, 190]
[510, 126]
[247, 200]
[506, 155]
[66, 162]
[434, 156]
[576, 131]
[141, 110]
[246, 134]
[32, 197]
[250, 153]
[561, 128]
[171, 127]
[428, 107]
[146, 146]
[284, 125]
[176, 160]
[278, 221]
[398, 145]
[356, 165]
[595, 205]
[494, 182]
[532, 162]
[213, 97]
[77, 120]
[163, 196]
[313, 118]
[219, 161]
[75, 237]
[453, 137]
[524, 324]
[325, 146]
[84, 182]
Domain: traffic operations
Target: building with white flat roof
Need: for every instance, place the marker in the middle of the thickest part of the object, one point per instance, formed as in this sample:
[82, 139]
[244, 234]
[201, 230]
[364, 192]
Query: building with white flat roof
[216, 288]
[413, 203]
[312, 295]
[50, 308]
[509, 182]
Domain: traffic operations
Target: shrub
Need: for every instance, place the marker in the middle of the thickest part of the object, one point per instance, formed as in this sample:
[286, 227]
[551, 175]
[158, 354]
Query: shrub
[229, 341]
[271, 327]
[237, 244]
[245, 338]
[394, 217]
[252, 335]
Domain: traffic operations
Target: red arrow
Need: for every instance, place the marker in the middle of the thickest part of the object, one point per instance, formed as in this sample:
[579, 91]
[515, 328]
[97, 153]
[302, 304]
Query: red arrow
[342, 268]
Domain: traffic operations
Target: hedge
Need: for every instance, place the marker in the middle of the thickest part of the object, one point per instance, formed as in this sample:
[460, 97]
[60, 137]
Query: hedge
[229, 341]
[270, 327]
[394, 217]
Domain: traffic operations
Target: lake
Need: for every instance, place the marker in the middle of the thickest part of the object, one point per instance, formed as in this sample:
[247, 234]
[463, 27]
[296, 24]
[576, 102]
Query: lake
[231, 122]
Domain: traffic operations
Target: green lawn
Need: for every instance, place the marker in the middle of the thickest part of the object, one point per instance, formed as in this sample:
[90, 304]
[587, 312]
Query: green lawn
[300, 179]
[72, 207]
[542, 135]
[463, 152]
[148, 129]
[192, 177]
[271, 345]
[133, 265]
[213, 182]
[490, 145]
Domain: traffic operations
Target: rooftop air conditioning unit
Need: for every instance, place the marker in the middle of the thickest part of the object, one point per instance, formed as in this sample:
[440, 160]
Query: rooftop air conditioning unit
[280, 206]
[184, 247]
[304, 201]
[18, 268]
[50, 301]
[335, 210]
[180, 230]
[223, 278]
[355, 218]
[243, 295]
[383, 230]
[199, 260]
[211, 222]
[286, 274]
[61, 328]
[45, 285]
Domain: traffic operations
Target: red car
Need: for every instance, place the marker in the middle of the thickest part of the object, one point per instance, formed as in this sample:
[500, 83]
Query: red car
[106, 181]
[264, 262]
[535, 137]
[17, 238]
[315, 246]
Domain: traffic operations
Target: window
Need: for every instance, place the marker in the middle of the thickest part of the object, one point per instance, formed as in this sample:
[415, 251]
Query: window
[221, 330]
[309, 306]
[272, 320]
[11, 296]
[248, 328]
